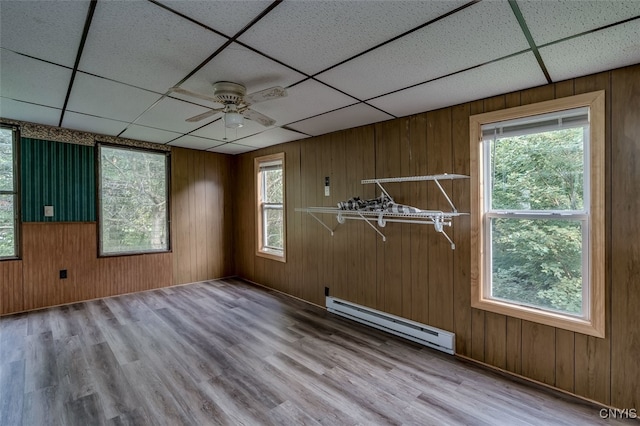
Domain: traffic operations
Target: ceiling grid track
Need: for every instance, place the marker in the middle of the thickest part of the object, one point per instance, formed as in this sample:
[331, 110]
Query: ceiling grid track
[525, 29]
[85, 33]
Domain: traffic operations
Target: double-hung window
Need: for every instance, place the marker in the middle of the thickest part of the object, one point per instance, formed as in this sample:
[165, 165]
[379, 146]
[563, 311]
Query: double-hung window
[270, 192]
[8, 193]
[538, 211]
[133, 194]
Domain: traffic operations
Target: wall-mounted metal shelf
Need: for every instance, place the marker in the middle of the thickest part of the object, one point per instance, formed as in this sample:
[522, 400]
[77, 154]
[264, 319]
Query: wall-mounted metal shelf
[439, 219]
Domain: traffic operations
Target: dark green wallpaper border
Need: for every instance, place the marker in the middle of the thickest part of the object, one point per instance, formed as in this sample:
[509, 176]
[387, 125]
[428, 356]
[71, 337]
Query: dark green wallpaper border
[57, 174]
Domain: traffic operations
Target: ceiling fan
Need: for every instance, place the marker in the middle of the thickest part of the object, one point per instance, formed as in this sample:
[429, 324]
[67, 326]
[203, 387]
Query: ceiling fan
[236, 103]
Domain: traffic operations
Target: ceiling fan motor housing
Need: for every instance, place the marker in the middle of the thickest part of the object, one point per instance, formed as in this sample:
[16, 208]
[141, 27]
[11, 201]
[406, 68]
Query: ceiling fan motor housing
[227, 92]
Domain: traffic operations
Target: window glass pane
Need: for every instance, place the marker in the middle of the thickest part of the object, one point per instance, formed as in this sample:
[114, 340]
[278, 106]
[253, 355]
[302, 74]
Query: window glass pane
[538, 263]
[274, 236]
[6, 159]
[7, 230]
[133, 200]
[542, 171]
[272, 185]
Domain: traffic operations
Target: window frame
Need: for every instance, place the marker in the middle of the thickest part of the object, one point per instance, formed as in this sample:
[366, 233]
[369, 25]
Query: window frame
[98, 168]
[262, 249]
[593, 321]
[17, 217]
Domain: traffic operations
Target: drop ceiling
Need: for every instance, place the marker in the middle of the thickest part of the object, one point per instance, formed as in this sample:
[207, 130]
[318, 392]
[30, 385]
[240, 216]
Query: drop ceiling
[107, 66]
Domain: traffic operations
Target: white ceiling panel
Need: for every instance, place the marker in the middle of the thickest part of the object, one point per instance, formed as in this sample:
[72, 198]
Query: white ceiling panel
[31, 80]
[144, 45]
[346, 118]
[228, 17]
[231, 148]
[304, 100]
[44, 29]
[465, 39]
[216, 130]
[616, 46]
[239, 65]
[272, 137]
[108, 99]
[23, 111]
[552, 20]
[143, 133]
[499, 77]
[194, 142]
[89, 123]
[314, 35]
[170, 114]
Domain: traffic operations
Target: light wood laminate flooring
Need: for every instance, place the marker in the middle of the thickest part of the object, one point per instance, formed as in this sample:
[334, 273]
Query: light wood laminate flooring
[227, 352]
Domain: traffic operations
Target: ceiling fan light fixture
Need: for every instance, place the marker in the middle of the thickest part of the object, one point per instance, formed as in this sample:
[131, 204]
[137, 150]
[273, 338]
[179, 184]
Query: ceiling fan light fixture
[233, 120]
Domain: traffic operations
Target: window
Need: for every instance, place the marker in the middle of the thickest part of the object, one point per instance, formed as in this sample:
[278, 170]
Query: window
[270, 221]
[133, 195]
[8, 193]
[538, 212]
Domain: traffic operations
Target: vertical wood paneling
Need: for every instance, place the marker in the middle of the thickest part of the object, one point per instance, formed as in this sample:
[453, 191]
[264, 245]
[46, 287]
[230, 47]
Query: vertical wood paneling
[538, 352]
[11, 295]
[625, 244]
[495, 340]
[461, 231]
[201, 220]
[412, 275]
[420, 234]
[439, 160]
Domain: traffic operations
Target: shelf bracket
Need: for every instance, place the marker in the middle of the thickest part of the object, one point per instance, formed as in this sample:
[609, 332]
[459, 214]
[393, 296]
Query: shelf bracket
[373, 227]
[321, 223]
[446, 196]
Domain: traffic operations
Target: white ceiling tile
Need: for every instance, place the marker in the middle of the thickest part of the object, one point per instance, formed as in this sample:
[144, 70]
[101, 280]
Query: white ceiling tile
[304, 100]
[23, 111]
[552, 20]
[142, 44]
[614, 47]
[216, 130]
[465, 39]
[228, 17]
[170, 114]
[507, 75]
[314, 35]
[272, 137]
[143, 133]
[195, 142]
[239, 65]
[31, 80]
[352, 116]
[105, 98]
[231, 148]
[89, 123]
[44, 29]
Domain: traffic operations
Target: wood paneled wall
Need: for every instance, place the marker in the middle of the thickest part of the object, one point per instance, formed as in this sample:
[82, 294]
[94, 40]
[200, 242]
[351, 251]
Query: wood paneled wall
[201, 215]
[50, 247]
[202, 245]
[415, 274]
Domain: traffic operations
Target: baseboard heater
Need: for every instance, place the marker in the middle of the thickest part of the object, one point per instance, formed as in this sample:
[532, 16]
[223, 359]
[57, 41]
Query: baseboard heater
[421, 333]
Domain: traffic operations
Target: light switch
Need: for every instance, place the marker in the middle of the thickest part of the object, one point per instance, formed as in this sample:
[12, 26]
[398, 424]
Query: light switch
[48, 211]
[327, 190]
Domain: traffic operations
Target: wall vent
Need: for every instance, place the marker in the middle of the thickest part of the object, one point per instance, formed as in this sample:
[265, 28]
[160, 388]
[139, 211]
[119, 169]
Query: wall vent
[421, 333]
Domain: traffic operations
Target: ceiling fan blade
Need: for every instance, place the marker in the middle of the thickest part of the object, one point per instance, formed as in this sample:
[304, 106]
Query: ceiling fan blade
[193, 94]
[203, 115]
[265, 95]
[258, 118]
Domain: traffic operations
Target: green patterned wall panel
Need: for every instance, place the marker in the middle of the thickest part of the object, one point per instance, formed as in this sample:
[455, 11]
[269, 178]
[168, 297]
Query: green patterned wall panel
[57, 174]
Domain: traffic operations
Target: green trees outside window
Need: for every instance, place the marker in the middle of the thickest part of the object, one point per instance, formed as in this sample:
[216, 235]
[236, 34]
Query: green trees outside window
[8, 193]
[133, 197]
[537, 218]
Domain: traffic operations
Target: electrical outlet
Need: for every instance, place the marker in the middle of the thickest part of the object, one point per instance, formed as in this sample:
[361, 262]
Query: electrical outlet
[48, 211]
[63, 274]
